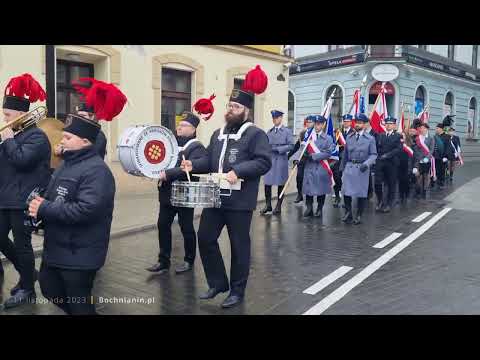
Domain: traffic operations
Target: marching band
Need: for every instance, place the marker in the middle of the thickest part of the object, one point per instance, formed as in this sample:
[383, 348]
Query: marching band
[74, 205]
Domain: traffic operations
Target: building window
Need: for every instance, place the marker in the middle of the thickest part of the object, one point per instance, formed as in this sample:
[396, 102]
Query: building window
[237, 84]
[449, 104]
[451, 52]
[334, 47]
[386, 51]
[337, 106]
[475, 56]
[472, 118]
[291, 111]
[422, 47]
[420, 100]
[176, 95]
[68, 73]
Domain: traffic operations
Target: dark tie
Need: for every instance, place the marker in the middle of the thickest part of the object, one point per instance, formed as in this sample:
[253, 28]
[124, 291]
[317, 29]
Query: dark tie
[276, 130]
[358, 136]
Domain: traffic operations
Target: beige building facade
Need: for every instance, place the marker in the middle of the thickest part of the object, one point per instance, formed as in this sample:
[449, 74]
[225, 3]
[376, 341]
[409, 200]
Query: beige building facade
[139, 70]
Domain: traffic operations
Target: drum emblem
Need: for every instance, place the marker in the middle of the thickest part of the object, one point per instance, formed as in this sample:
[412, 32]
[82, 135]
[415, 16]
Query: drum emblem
[154, 152]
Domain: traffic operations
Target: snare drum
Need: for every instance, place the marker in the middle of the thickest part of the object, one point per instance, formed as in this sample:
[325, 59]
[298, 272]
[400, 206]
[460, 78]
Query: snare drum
[205, 194]
[147, 150]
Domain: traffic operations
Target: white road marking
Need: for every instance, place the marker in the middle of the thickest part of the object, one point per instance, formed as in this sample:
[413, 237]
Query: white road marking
[344, 289]
[327, 280]
[421, 217]
[392, 237]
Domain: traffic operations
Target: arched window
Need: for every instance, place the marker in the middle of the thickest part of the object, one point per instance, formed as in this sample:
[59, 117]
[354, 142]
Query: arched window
[420, 99]
[291, 111]
[389, 96]
[337, 106]
[448, 108]
[472, 118]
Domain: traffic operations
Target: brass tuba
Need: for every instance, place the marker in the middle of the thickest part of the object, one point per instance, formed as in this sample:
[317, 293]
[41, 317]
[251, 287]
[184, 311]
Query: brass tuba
[52, 127]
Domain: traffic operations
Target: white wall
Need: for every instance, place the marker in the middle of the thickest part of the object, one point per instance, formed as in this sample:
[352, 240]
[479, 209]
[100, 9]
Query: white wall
[463, 53]
[307, 50]
[439, 50]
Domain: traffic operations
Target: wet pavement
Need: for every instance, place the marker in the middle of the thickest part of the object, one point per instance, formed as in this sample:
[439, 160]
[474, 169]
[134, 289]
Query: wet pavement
[309, 266]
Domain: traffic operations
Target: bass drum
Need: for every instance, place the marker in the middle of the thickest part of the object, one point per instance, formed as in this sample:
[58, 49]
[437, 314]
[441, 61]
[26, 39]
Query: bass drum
[147, 150]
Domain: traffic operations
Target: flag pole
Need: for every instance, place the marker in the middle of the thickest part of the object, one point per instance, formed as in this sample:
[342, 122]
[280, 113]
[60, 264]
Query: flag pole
[304, 149]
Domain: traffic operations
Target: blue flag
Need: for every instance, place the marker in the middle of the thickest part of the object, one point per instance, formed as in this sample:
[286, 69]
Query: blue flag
[362, 104]
[331, 133]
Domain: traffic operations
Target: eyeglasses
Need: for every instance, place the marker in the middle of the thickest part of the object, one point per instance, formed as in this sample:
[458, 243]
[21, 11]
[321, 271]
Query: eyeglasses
[234, 106]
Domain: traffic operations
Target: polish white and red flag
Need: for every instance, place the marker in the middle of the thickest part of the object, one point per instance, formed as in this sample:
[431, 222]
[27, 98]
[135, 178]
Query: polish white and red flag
[424, 115]
[420, 141]
[313, 149]
[340, 138]
[379, 112]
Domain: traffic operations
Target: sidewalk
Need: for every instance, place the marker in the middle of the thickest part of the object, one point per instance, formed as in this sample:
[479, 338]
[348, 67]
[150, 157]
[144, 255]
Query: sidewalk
[136, 206]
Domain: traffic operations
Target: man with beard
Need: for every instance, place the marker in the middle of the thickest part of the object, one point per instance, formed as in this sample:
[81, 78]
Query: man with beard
[300, 162]
[360, 153]
[242, 151]
[191, 148]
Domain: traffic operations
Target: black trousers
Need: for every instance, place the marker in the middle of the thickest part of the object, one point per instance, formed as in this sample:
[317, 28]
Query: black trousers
[20, 251]
[238, 224]
[268, 194]
[404, 179]
[337, 176]
[440, 168]
[70, 290]
[299, 178]
[164, 224]
[385, 173]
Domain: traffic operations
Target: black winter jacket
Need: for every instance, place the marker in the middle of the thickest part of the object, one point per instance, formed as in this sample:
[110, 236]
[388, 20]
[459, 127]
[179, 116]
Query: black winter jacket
[25, 165]
[77, 212]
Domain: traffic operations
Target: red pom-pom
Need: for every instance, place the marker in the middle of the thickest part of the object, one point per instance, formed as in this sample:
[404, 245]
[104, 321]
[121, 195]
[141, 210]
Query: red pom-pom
[205, 107]
[25, 85]
[256, 81]
[106, 99]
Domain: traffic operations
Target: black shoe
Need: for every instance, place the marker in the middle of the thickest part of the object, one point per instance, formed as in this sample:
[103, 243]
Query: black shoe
[386, 209]
[17, 287]
[186, 266]
[278, 209]
[358, 220]
[348, 217]
[318, 213]
[309, 211]
[266, 209]
[379, 207]
[21, 297]
[159, 268]
[211, 293]
[231, 301]
[299, 199]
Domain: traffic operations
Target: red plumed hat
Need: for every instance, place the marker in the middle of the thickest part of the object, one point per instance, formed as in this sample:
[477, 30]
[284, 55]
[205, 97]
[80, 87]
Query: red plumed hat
[21, 91]
[256, 81]
[106, 99]
[205, 107]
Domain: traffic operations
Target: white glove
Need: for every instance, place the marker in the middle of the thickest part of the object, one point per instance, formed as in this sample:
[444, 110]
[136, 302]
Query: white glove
[415, 171]
[444, 159]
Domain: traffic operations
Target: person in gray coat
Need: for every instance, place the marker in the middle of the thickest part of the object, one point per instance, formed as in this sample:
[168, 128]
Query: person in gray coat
[281, 141]
[317, 180]
[359, 155]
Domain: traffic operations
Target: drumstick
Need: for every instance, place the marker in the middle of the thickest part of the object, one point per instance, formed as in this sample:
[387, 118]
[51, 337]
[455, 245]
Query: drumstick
[188, 174]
